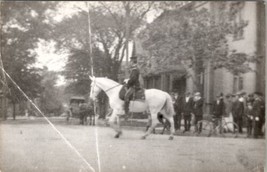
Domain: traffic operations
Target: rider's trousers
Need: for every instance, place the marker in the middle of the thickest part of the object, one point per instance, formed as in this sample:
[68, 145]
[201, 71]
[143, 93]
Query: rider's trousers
[129, 92]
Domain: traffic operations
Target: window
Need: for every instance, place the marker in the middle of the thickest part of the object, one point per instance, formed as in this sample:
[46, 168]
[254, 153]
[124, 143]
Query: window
[238, 83]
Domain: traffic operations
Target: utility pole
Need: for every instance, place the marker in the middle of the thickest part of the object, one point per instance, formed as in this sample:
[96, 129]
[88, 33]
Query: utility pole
[127, 16]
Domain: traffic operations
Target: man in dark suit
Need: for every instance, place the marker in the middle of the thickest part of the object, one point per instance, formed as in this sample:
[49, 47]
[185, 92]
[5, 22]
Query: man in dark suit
[249, 114]
[198, 111]
[262, 112]
[187, 110]
[178, 107]
[218, 109]
[235, 108]
[240, 110]
[257, 114]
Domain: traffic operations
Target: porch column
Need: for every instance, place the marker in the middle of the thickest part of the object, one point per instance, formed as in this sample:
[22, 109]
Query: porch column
[171, 81]
[208, 90]
[162, 82]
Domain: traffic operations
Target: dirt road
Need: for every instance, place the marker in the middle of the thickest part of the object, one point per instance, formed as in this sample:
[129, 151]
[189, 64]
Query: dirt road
[35, 146]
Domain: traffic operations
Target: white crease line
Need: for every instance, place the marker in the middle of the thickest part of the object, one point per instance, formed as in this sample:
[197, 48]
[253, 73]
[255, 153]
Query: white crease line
[52, 125]
[96, 137]
[97, 148]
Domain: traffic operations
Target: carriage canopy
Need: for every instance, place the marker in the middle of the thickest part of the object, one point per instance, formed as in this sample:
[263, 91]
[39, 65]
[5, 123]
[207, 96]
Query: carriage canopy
[75, 101]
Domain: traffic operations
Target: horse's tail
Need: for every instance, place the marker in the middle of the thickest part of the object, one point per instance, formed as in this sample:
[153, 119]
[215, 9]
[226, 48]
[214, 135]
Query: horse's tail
[169, 106]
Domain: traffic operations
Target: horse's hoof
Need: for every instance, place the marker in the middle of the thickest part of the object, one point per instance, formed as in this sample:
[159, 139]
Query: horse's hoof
[171, 138]
[143, 137]
[118, 134]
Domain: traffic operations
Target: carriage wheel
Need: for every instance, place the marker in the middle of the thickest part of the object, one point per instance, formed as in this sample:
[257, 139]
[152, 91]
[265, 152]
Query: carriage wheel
[230, 129]
[206, 127]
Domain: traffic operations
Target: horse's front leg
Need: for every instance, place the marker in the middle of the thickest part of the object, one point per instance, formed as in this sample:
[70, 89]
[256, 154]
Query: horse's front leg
[119, 131]
[149, 122]
[112, 121]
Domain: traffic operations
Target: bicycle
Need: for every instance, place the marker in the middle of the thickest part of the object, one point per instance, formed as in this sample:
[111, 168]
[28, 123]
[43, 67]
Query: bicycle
[219, 126]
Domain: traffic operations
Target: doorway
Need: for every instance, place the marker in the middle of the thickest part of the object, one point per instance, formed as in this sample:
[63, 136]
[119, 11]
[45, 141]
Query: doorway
[179, 84]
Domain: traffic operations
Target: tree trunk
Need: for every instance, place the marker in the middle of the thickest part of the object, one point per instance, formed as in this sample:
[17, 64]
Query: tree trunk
[127, 16]
[3, 107]
[116, 69]
[14, 110]
[192, 73]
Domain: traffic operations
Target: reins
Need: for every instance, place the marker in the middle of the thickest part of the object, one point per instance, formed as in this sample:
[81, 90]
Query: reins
[111, 88]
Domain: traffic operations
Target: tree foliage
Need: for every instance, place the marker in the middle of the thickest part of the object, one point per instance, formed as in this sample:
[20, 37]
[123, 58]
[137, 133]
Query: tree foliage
[193, 37]
[22, 25]
[50, 99]
[77, 70]
[108, 23]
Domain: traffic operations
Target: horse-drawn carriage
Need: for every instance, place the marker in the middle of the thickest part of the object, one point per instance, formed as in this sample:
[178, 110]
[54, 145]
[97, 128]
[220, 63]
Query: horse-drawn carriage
[79, 108]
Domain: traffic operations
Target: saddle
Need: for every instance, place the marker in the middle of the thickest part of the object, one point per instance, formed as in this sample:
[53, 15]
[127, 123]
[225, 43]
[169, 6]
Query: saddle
[139, 94]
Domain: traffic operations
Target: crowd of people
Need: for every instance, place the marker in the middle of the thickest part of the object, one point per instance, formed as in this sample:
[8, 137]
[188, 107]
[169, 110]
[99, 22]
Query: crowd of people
[247, 111]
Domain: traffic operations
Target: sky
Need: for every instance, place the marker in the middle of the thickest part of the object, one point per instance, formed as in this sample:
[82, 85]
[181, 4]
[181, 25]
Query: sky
[46, 56]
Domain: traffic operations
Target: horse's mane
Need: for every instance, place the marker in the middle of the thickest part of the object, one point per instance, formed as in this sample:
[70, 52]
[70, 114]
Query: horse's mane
[107, 79]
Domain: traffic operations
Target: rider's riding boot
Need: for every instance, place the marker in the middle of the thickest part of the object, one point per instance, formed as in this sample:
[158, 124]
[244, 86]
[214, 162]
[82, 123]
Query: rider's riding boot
[126, 107]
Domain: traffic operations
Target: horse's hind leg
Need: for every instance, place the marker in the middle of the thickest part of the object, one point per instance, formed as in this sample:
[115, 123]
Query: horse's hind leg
[164, 127]
[149, 122]
[170, 119]
[154, 122]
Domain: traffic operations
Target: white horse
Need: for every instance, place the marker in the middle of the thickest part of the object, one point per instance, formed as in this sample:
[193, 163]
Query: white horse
[155, 101]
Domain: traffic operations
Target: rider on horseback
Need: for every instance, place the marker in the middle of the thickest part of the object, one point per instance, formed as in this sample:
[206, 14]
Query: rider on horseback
[133, 83]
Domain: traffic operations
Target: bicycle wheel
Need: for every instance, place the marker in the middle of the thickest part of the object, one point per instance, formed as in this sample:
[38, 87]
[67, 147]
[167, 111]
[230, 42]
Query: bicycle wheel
[230, 129]
[206, 128]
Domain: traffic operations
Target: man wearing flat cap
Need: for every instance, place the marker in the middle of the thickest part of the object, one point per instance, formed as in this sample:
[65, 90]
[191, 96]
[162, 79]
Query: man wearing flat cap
[132, 84]
[218, 109]
[188, 104]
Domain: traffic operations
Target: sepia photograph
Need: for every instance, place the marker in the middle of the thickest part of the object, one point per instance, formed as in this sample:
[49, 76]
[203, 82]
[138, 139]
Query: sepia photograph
[133, 86]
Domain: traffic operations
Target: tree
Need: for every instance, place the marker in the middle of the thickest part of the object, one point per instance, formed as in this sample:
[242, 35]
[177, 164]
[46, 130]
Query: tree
[22, 25]
[193, 38]
[108, 22]
[77, 70]
[50, 101]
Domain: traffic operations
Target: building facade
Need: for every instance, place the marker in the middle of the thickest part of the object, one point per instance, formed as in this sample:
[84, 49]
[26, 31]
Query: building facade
[250, 40]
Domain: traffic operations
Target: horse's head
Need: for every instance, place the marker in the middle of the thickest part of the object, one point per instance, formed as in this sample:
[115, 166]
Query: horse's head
[95, 89]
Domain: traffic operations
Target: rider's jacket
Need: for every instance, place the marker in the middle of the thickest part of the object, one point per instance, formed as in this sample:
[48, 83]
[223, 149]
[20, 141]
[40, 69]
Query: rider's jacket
[134, 77]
